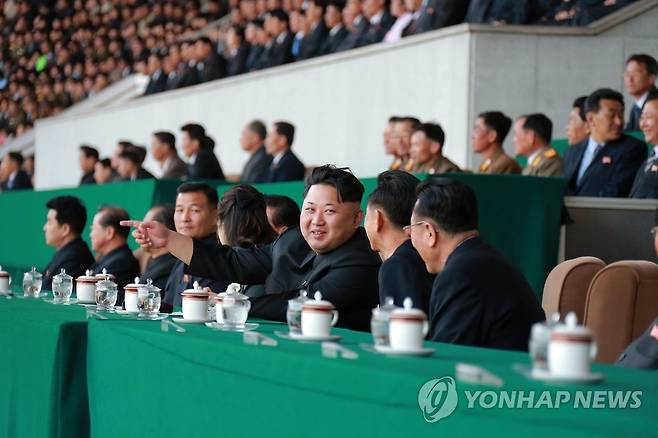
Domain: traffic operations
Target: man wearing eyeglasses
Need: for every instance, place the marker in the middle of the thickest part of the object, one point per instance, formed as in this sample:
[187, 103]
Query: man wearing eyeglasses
[478, 298]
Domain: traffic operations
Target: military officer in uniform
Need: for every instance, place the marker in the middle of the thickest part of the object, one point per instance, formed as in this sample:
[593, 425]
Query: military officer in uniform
[488, 135]
[532, 137]
[426, 151]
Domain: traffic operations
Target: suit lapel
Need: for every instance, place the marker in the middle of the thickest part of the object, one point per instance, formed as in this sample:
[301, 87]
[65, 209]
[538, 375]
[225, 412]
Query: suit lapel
[605, 150]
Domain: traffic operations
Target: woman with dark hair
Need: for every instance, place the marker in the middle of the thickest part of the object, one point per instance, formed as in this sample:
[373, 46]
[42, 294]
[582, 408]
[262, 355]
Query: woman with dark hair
[242, 221]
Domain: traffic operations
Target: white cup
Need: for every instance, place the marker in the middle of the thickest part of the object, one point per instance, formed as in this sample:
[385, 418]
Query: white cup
[570, 357]
[195, 308]
[130, 299]
[86, 291]
[407, 334]
[318, 322]
[4, 284]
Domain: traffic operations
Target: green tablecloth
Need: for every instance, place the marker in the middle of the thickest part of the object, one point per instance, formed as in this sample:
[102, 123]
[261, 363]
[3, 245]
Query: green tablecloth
[42, 370]
[149, 383]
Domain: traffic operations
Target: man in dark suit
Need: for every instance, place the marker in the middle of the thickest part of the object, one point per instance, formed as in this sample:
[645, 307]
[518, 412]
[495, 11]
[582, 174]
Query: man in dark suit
[252, 141]
[403, 272]
[88, 157]
[282, 213]
[163, 149]
[109, 242]
[158, 79]
[258, 38]
[209, 64]
[281, 51]
[646, 180]
[65, 222]
[329, 252]
[356, 24]
[643, 352]
[12, 175]
[436, 14]
[379, 21]
[337, 32]
[311, 45]
[478, 298]
[189, 75]
[198, 148]
[129, 166]
[238, 51]
[606, 163]
[285, 164]
[640, 82]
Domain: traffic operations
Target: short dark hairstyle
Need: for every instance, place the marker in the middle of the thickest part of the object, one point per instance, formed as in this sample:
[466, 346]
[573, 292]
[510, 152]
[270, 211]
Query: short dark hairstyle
[258, 128]
[286, 211]
[131, 155]
[195, 132]
[394, 119]
[111, 216]
[450, 203]
[286, 129]
[280, 15]
[320, 3]
[106, 162]
[164, 214]
[16, 157]
[540, 125]
[89, 152]
[579, 104]
[396, 195]
[140, 151]
[203, 188]
[243, 217]
[413, 121]
[651, 98]
[648, 61]
[204, 40]
[432, 131]
[125, 143]
[69, 210]
[497, 121]
[593, 102]
[348, 186]
[167, 138]
[340, 5]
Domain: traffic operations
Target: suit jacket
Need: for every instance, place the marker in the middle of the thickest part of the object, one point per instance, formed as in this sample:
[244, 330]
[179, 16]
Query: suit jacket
[255, 60]
[173, 79]
[122, 264]
[634, 115]
[312, 43]
[375, 32]
[144, 174]
[88, 178]
[175, 168]
[206, 166]
[213, 67]
[346, 276]
[20, 182]
[404, 275]
[645, 184]
[289, 168]
[179, 279]
[611, 172]
[500, 163]
[189, 77]
[480, 299]
[354, 37]
[281, 52]
[547, 163]
[332, 42]
[508, 11]
[75, 257]
[643, 352]
[439, 165]
[435, 14]
[157, 83]
[237, 64]
[257, 168]
[158, 270]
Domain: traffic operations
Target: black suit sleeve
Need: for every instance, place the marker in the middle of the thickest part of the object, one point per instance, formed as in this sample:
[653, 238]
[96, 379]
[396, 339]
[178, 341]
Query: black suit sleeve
[400, 280]
[455, 311]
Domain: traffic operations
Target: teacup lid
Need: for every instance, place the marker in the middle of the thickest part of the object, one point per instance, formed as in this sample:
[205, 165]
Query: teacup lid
[133, 285]
[386, 309]
[317, 303]
[89, 276]
[106, 282]
[33, 272]
[571, 331]
[3, 273]
[301, 298]
[148, 286]
[197, 291]
[62, 276]
[104, 275]
[408, 313]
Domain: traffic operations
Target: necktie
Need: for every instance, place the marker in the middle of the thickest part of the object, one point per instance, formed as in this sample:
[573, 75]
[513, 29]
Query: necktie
[637, 113]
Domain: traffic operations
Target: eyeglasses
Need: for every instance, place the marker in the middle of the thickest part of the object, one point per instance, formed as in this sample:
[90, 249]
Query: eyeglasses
[409, 227]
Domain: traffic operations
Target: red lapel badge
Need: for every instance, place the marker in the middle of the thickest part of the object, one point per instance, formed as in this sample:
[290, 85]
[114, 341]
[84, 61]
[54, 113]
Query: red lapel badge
[607, 159]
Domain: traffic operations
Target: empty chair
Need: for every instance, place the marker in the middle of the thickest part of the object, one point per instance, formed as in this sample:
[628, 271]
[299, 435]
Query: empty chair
[566, 286]
[621, 302]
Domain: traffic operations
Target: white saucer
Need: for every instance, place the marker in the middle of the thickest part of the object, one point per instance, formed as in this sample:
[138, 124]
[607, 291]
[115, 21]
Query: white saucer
[384, 349]
[176, 314]
[86, 303]
[159, 317]
[126, 312]
[288, 335]
[546, 376]
[189, 321]
[223, 327]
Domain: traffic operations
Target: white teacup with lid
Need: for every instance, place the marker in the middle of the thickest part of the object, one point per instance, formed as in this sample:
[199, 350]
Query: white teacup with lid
[5, 282]
[130, 296]
[85, 287]
[571, 349]
[318, 316]
[195, 303]
[407, 327]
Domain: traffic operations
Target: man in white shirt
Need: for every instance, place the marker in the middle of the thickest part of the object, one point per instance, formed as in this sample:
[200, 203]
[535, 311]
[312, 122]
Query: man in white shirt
[640, 83]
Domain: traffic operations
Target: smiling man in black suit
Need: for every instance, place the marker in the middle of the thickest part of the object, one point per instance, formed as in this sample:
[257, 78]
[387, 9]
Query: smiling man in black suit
[285, 164]
[606, 163]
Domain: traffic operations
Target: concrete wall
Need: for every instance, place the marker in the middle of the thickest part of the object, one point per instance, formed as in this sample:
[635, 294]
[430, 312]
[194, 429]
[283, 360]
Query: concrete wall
[340, 103]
